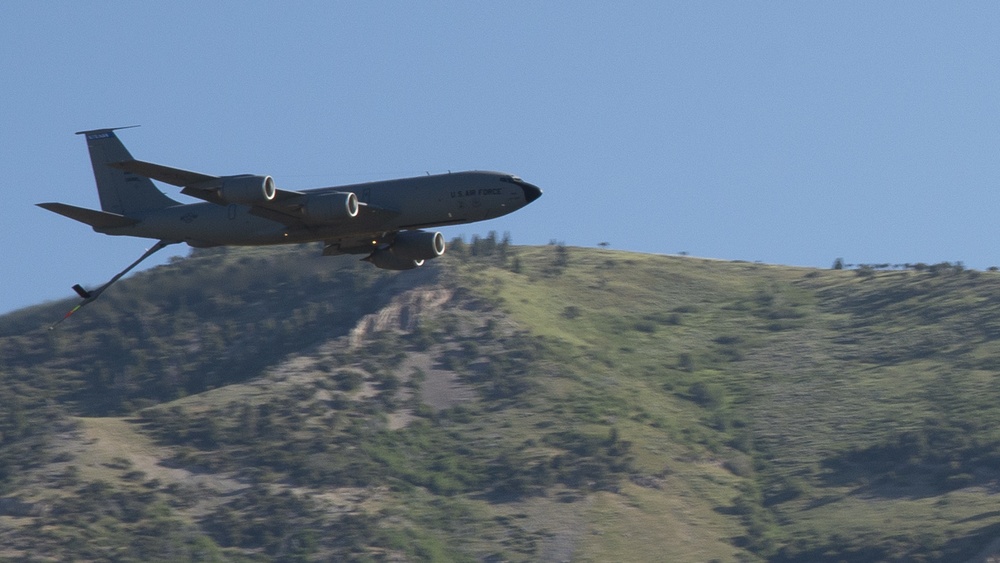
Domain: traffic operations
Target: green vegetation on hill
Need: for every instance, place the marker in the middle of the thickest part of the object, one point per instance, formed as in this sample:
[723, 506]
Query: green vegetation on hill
[199, 323]
[505, 403]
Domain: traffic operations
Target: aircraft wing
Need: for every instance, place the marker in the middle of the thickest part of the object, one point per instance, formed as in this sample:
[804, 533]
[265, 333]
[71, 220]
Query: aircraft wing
[283, 208]
[173, 176]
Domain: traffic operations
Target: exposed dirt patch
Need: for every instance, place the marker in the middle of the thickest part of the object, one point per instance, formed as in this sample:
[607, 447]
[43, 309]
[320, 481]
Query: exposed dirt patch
[107, 449]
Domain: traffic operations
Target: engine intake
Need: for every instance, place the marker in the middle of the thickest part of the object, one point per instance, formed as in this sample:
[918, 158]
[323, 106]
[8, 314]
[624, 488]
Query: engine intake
[246, 189]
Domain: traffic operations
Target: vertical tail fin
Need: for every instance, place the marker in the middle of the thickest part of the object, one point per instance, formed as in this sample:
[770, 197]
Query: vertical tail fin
[120, 192]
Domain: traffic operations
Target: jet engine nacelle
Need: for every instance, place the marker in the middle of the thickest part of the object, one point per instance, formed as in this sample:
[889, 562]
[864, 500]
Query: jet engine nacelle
[246, 189]
[408, 250]
[386, 260]
[331, 206]
[418, 245]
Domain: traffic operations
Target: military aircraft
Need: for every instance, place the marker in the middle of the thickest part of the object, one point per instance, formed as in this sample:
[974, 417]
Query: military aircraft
[382, 220]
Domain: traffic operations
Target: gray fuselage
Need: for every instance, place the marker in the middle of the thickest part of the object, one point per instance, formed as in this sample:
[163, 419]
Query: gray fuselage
[392, 205]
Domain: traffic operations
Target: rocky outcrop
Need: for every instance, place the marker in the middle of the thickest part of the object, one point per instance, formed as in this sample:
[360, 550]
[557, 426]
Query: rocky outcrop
[402, 313]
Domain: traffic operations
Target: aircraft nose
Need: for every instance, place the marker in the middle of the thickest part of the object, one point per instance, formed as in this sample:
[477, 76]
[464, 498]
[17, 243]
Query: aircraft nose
[531, 192]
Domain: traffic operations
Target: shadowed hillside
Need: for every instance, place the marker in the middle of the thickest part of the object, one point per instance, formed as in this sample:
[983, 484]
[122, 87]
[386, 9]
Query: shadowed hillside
[505, 404]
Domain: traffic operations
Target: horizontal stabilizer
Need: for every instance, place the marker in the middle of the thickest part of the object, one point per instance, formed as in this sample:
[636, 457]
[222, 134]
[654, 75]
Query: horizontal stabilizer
[94, 218]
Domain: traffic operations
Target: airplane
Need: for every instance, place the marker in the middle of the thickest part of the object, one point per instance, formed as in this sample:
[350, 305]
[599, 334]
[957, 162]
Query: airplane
[383, 220]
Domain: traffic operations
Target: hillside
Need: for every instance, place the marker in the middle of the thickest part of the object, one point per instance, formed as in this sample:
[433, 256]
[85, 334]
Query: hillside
[505, 404]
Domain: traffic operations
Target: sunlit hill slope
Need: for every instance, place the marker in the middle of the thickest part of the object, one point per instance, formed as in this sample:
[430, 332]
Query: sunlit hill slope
[505, 404]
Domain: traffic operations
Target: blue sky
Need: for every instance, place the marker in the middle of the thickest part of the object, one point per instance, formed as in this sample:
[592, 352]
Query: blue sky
[783, 132]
